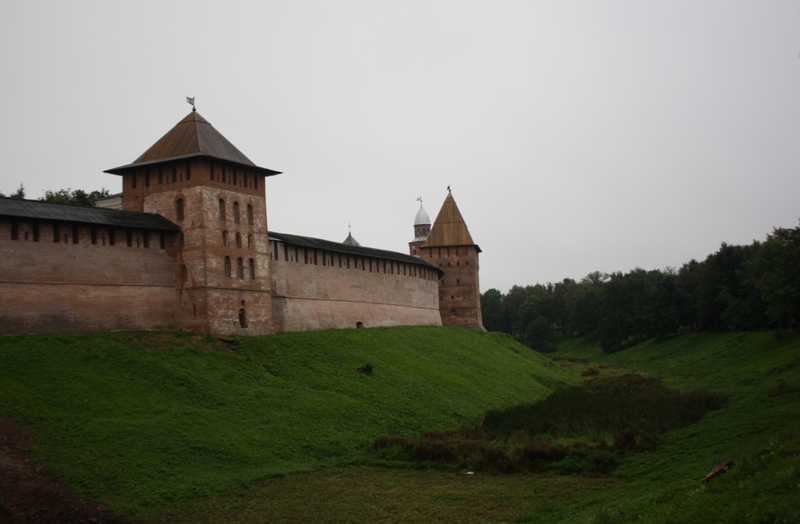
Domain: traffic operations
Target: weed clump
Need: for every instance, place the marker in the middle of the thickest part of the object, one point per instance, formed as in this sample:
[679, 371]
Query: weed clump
[564, 433]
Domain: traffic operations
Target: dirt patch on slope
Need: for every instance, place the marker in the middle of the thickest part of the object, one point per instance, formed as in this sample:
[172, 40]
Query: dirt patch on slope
[29, 494]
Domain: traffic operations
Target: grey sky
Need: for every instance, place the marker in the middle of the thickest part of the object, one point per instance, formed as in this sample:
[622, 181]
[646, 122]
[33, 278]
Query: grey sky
[577, 136]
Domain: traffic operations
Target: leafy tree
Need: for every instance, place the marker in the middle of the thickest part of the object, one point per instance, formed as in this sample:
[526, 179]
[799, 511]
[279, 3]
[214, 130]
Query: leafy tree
[539, 335]
[19, 194]
[77, 197]
[726, 296]
[775, 272]
[492, 310]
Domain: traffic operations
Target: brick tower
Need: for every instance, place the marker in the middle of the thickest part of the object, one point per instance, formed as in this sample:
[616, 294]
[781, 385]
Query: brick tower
[449, 246]
[200, 181]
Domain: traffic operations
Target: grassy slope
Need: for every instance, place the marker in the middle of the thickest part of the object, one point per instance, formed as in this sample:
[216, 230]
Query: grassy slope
[141, 428]
[761, 432]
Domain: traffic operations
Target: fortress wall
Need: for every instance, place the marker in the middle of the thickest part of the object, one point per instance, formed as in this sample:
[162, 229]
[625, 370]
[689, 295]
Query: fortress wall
[311, 291]
[58, 287]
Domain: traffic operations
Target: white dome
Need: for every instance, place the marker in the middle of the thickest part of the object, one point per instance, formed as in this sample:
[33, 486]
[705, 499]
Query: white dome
[422, 218]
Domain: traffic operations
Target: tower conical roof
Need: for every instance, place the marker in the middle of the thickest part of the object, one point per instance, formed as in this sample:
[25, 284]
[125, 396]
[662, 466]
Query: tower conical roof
[193, 136]
[449, 228]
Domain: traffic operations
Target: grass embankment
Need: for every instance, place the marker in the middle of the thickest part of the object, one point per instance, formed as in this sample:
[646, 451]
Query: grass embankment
[144, 421]
[759, 429]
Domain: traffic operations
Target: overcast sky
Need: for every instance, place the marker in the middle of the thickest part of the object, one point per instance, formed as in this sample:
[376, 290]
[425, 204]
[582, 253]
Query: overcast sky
[576, 136]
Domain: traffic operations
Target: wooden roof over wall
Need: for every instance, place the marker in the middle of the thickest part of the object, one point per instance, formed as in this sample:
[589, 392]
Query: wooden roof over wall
[449, 228]
[35, 209]
[193, 136]
[339, 247]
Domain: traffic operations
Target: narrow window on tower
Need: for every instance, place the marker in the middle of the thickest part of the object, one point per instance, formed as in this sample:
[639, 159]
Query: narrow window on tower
[14, 229]
[56, 232]
[111, 238]
[224, 238]
[75, 238]
[236, 212]
[238, 240]
[179, 208]
[253, 268]
[249, 215]
[228, 267]
[239, 268]
[221, 209]
[250, 243]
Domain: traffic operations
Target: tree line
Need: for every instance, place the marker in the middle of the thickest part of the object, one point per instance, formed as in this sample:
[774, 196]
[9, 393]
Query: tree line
[74, 197]
[737, 288]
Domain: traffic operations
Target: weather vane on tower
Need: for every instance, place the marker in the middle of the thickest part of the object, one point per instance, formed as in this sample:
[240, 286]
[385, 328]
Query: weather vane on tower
[190, 100]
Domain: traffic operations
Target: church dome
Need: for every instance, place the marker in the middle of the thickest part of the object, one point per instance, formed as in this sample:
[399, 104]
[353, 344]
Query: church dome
[422, 218]
[350, 241]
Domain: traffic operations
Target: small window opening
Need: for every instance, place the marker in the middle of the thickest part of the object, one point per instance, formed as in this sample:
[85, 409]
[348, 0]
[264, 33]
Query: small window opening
[359, 325]
[249, 214]
[242, 319]
[224, 238]
[238, 240]
[56, 232]
[228, 267]
[252, 269]
[239, 268]
[179, 206]
[221, 209]
[111, 238]
[236, 212]
[75, 238]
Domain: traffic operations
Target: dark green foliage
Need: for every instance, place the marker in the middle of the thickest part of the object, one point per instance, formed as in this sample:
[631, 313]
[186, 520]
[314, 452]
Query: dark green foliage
[19, 194]
[630, 402]
[738, 288]
[74, 197]
[492, 310]
[775, 271]
[635, 409]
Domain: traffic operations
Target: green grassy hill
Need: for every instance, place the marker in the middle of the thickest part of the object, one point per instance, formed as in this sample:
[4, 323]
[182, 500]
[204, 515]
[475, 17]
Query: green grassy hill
[142, 421]
[759, 430]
